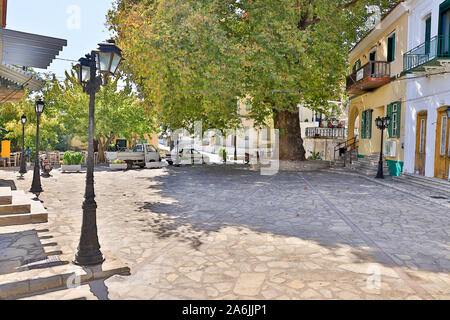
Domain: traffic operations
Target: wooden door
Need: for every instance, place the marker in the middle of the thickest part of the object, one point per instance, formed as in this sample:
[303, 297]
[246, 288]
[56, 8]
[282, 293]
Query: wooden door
[421, 139]
[442, 159]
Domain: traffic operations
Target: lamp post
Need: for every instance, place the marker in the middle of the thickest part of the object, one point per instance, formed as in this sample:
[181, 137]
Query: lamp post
[36, 187]
[23, 165]
[104, 60]
[382, 124]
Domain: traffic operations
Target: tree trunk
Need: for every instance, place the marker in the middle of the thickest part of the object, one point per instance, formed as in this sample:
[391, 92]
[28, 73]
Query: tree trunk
[103, 144]
[291, 142]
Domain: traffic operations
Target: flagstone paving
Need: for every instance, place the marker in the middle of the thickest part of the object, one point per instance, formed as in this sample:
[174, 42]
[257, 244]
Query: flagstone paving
[226, 232]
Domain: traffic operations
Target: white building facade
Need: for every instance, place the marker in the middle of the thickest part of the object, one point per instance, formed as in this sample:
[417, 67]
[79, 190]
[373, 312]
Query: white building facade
[427, 63]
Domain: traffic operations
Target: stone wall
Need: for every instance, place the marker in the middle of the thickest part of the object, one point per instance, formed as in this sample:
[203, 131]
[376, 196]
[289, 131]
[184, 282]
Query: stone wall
[322, 145]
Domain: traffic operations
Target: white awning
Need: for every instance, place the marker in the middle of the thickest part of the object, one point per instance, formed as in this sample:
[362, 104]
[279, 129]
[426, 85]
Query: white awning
[29, 50]
[21, 77]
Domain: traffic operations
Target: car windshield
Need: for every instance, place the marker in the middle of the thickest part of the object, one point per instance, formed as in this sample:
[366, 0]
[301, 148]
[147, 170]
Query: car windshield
[151, 148]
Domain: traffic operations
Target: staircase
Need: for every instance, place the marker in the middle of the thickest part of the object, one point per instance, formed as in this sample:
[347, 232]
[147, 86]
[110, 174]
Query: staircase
[369, 165]
[439, 187]
[17, 208]
[346, 158]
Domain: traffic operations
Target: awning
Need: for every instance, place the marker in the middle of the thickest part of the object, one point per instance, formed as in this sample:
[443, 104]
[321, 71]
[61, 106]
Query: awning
[29, 50]
[21, 77]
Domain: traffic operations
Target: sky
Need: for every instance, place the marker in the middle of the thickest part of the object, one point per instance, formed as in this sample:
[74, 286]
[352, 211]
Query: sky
[80, 22]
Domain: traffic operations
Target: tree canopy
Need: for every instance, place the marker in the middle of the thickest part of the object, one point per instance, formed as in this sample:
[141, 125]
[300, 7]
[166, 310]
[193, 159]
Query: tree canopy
[119, 113]
[191, 59]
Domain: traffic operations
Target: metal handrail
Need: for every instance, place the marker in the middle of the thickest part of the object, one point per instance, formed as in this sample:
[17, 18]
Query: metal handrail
[436, 47]
[326, 132]
[372, 69]
[351, 143]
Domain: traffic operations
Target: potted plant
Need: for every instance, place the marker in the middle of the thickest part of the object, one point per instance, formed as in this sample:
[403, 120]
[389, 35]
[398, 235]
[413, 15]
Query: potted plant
[72, 161]
[118, 165]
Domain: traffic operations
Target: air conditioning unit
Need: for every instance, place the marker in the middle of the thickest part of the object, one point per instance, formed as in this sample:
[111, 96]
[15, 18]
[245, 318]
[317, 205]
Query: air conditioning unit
[390, 148]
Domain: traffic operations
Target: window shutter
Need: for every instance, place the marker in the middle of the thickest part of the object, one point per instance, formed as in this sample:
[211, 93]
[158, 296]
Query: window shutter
[369, 123]
[389, 113]
[399, 116]
[363, 125]
[393, 47]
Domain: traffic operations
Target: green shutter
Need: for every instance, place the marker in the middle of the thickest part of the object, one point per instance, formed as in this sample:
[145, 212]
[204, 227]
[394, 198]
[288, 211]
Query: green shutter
[427, 35]
[369, 123]
[363, 125]
[393, 47]
[399, 117]
[389, 113]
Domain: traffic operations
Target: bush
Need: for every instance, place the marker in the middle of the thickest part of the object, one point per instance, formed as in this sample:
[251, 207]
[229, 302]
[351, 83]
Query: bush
[223, 154]
[118, 161]
[71, 158]
[315, 156]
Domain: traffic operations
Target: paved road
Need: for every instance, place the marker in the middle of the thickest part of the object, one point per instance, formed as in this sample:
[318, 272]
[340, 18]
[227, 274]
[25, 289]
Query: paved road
[225, 232]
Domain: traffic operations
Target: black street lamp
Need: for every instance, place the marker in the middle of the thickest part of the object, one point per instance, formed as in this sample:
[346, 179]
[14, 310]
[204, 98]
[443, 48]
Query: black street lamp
[23, 165]
[106, 61]
[382, 124]
[36, 187]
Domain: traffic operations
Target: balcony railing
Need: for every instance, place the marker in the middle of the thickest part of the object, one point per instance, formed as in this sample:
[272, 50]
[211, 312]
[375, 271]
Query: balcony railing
[326, 132]
[370, 76]
[437, 47]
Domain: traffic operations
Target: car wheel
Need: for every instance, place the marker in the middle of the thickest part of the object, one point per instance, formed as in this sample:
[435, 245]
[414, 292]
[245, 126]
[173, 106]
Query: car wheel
[170, 163]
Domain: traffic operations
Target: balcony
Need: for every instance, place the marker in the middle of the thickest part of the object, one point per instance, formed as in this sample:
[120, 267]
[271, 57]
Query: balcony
[372, 75]
[433, 54]
[329, 133]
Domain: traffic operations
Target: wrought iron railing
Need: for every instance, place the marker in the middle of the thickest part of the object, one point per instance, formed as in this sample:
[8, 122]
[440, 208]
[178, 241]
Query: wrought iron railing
[326, 132]
[348, 147]
[437, 47]
[372, 69]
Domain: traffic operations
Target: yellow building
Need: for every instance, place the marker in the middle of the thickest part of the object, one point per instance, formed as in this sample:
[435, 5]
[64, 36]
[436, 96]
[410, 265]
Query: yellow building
[377, 89]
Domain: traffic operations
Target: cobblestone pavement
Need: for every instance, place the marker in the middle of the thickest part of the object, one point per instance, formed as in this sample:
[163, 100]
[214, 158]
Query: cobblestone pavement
[225, 232]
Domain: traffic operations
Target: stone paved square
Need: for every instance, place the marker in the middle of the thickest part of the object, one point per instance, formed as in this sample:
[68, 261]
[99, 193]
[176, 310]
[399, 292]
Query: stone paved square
[226, 232]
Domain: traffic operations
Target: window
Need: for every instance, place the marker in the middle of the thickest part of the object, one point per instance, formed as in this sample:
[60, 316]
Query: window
[151, 148]
[443, 135]
[366, 126]
[422, 136]
[391, 48]
[357, 65]
[394, 112]
[427, 35]
[248, 106]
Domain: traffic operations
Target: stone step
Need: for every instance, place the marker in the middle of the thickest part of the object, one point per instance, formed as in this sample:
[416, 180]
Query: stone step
[36, 214]
[36, 281]
[19, 205]
[427, 183]
[5, 195]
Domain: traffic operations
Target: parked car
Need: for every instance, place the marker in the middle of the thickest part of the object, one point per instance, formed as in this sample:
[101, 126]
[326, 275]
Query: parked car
[139, 155]
[186, 156]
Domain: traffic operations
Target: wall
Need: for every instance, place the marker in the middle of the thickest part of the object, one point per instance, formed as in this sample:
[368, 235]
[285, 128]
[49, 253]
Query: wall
[425, 93]
[323, 146]
[378, 99]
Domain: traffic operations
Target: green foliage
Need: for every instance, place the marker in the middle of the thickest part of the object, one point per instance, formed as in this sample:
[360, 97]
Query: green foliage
[223, 154]
[118, 161]
[71, 158]
[315, 156]
[191, 59]
[119, 112]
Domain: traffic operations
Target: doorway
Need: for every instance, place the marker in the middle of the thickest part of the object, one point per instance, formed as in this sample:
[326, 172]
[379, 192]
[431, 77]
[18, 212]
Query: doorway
[421, 138]
[442, 159]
